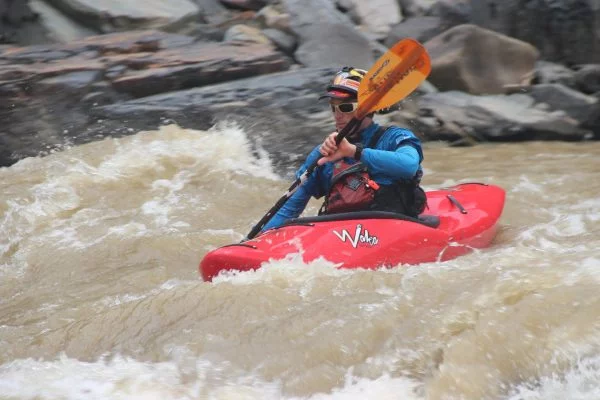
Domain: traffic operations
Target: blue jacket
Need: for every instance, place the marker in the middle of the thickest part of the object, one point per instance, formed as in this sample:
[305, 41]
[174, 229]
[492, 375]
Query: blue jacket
[397, 155]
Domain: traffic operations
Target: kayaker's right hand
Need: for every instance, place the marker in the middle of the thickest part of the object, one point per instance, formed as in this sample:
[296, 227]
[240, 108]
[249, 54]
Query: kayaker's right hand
[333, 152]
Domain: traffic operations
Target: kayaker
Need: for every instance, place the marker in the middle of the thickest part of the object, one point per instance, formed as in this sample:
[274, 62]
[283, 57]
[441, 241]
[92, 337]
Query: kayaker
[375, 168]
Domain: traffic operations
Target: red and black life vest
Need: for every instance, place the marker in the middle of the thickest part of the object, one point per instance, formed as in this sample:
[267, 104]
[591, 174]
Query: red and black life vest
[352, 189]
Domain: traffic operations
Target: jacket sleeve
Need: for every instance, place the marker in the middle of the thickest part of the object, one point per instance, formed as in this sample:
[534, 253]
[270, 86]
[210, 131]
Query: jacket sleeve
[402, 163]
[294, 206]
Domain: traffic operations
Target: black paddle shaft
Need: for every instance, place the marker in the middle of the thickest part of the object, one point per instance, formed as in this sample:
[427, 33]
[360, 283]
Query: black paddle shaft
[351, 127]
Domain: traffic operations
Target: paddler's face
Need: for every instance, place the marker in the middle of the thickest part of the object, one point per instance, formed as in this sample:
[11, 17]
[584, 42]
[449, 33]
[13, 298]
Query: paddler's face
[343, 112]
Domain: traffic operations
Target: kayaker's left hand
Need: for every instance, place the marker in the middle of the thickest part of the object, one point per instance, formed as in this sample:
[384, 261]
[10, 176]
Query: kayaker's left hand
[333, 152]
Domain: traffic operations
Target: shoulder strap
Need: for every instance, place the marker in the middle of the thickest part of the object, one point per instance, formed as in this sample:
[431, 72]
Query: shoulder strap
[376, 136]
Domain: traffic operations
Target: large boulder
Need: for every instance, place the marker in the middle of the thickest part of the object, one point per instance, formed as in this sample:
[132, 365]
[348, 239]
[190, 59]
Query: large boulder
[479, 61]
[565, 31]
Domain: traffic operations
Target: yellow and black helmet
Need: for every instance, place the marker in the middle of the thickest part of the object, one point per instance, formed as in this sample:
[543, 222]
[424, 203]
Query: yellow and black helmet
[345, 83]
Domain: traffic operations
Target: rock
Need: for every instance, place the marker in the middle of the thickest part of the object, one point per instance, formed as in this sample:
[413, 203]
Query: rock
[254, 5]
[280, 110]
[376, 16]
[452, 12]
[283, 41]
[455, 115]
[271, 17]
[413, 8]
[200, 64]
[577, 105]
[326, 36]
[419, 28]
[587, 78]
[246, 33]
[59, 27]
[19, 24]
[549, 72]
[110, 16]
[565, 31]
[45, 104]
[479, 61]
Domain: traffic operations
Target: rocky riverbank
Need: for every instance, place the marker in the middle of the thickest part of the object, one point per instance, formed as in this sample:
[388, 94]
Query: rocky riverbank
[73, 71]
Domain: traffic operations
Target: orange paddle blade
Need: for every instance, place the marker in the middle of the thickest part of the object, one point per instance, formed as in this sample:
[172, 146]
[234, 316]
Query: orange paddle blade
[393, 77]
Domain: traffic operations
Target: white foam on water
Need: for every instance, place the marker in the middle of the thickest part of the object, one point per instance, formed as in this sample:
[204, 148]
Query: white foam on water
[582, 382]
[53, 207]
[291, 269]
[128, 379]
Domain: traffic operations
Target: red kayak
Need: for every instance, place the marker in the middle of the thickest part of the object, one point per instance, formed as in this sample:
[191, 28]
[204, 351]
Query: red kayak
[458, 219]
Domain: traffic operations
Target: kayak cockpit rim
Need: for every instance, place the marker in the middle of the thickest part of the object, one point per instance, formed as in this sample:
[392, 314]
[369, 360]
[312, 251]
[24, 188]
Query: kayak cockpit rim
[430, 221]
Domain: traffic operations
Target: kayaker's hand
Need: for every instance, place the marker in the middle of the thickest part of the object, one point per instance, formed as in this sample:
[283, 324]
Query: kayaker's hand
[333, 152]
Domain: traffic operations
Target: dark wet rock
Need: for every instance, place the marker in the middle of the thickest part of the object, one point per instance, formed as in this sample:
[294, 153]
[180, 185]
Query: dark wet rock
[564, 31]
[587, 78]
[479, 61]
[452, 12]
[46, 94]
[15, 16]
[280, 110]
[254, 5]
[412, 8]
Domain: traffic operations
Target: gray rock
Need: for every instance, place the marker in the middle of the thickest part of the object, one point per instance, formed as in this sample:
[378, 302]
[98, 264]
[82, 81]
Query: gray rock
[60, 28]
[419, 28]
[584, 109]
[254, 5]
[19, 24]
[279, 110]
[45, 104]
[110, 16]
[412, 8]
[375, 16]
[587, 78]
[284, 41]
[479, 61]
[549, 72]
[326, 36]
[455, 115]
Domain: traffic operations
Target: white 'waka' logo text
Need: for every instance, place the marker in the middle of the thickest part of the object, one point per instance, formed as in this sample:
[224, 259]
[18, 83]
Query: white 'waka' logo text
[360, 237]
